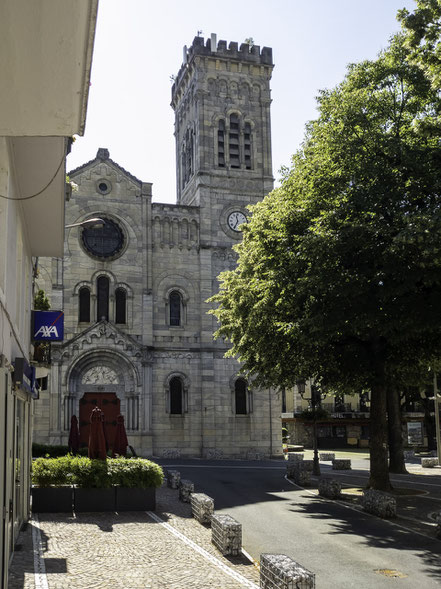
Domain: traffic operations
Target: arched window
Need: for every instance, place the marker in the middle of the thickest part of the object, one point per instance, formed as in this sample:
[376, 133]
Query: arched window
[233, 141]
[84, 305]
[221, 144]
[174, 302]
[120, 306]
[102, 288]
[247, 145]
[176, 404]
[240, 396]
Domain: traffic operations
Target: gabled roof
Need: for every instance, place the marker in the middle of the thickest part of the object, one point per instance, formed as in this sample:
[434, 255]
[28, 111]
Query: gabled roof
[102, 155]
[104, 330]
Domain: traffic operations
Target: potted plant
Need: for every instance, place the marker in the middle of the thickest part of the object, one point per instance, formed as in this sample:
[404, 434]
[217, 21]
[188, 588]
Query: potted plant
[93, 486]
[135, 480]
[51, 485]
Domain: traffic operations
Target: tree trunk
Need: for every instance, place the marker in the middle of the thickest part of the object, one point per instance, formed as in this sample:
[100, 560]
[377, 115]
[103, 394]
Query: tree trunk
[379, 474]
[395, 432]
[429, 423]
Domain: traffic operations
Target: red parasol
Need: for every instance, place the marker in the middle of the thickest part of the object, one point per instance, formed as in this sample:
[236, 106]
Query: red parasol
[97, 441]
[74, 435]
[120, 443]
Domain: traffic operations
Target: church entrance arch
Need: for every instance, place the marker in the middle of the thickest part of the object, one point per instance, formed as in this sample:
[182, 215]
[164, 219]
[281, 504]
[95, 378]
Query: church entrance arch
[101, 378]
[109, 404]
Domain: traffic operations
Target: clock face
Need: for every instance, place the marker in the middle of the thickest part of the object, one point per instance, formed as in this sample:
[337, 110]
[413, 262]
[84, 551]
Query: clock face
[235, 219]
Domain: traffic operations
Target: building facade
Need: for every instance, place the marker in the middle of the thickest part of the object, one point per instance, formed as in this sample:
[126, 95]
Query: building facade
[138, 336]
[39, 112]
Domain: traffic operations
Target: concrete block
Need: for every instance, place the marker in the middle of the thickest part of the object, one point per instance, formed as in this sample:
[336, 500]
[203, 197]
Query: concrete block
[202, 507]
[341, 464]
[327, 456]
[173, 479]
[278, 571]
[429, 462]
[329, 488]
[379, 503]
[186, 488]
[226, 534]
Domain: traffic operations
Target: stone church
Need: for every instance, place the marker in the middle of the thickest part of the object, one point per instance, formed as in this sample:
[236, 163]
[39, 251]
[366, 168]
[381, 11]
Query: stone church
[134, 289]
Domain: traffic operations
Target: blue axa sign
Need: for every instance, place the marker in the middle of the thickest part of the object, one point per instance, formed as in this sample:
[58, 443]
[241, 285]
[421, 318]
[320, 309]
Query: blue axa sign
[48, 326]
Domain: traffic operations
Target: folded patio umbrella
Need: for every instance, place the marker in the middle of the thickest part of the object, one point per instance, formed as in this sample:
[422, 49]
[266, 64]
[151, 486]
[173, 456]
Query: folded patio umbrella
[74, 435]
[97, 442]
[120, 443]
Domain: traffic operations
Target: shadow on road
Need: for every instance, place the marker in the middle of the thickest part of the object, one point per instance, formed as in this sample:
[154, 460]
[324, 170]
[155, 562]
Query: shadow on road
[374, 532]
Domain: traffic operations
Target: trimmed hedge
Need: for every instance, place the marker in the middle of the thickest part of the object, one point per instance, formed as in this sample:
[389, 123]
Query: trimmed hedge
[101, 474]
[51, 451]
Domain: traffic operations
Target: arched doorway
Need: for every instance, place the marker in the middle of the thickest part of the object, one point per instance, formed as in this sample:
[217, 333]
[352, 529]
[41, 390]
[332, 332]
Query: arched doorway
[102, 378]
[109, 404]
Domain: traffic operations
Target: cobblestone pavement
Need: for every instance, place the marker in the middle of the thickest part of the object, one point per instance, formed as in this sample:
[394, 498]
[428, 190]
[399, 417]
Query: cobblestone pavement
[126, 551]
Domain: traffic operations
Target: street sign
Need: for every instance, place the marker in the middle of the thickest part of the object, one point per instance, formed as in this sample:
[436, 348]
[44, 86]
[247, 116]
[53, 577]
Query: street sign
[24, 377]
[48, 326]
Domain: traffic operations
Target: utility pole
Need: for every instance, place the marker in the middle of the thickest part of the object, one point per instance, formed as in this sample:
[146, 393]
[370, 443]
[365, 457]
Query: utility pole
[436, 401]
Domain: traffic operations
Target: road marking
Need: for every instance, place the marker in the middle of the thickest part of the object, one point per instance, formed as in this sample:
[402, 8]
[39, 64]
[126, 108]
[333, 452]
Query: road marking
[221, 466]
[360, 510]
[226, 569]
[40, 576]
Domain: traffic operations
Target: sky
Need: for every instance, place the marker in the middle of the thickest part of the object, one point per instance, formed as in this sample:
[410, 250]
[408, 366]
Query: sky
[138, 47]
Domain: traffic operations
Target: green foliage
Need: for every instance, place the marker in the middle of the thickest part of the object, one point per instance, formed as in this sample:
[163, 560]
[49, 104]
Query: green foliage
[48, 472]
[135, 472]
[52, 451]
[317, 414]
[87, 473]
[340, 267]
[41, 302]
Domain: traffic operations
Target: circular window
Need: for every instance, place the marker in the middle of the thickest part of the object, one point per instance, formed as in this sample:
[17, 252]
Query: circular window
[103, 241]
[103, 186]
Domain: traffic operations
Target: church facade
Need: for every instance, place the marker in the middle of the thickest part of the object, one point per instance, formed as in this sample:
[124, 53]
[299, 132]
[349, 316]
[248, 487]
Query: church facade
[138, 337]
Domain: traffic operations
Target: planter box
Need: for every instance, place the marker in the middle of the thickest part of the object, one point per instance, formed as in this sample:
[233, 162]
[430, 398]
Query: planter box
[94, 499]
[52, 499]
[134, 499]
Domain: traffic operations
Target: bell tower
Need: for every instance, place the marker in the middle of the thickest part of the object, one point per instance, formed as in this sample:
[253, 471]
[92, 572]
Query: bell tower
[221, 98]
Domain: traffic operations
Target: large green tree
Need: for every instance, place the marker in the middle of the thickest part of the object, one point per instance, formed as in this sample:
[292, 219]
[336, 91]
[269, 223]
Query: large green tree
[339, 271]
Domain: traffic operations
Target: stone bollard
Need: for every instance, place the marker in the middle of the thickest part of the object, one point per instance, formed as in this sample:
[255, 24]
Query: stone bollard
[379, 503]
[202, 507]
[327, 456]
[295, 457]
[308, 465]
[429, 462]
[226, 534]
[300, 475]
[341, 464]
[278, 571]
[173, 479]
[409, 454]
[329, 488]
[185, 489]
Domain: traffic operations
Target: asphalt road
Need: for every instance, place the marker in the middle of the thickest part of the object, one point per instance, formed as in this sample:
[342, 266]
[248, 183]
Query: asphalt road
[344, 547]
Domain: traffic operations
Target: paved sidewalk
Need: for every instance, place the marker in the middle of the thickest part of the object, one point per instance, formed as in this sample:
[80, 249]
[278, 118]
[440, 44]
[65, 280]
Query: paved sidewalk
[164, 550]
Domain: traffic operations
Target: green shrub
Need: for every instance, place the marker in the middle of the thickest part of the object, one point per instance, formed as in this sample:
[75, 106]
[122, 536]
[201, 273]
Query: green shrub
[47, 472]
[101, 474]
[88, 473]
[50, 451]
[135, 472]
